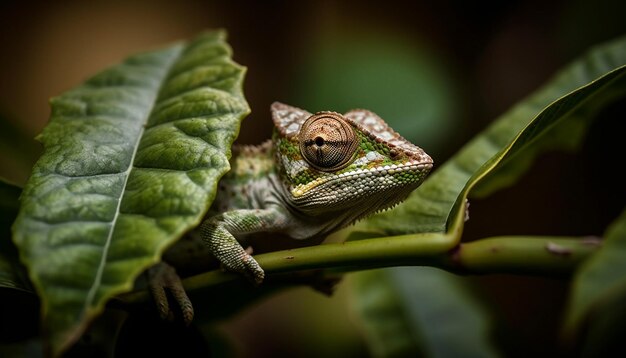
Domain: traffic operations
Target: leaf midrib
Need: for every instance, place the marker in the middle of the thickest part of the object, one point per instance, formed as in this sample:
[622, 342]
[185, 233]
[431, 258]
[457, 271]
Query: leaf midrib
[103, 259]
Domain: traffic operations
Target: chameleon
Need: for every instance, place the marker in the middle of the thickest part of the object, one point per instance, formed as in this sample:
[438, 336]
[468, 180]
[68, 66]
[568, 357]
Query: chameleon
[319, 173]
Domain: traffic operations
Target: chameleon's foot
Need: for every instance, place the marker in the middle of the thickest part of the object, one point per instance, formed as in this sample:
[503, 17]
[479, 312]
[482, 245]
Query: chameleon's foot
[253, 270]
[246, 265]
[162, 277]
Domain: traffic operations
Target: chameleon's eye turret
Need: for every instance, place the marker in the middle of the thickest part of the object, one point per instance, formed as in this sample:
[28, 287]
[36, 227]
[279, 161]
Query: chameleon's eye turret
[327, 141]
[347, 166]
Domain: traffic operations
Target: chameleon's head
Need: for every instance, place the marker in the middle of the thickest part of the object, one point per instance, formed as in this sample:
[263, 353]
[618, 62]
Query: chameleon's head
[344, 162]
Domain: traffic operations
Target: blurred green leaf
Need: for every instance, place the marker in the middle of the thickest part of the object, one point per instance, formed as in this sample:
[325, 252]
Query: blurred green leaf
[411, 310]
[403, 82]
[132, 159]
[604, 332]
[581, 88]
[601, 280]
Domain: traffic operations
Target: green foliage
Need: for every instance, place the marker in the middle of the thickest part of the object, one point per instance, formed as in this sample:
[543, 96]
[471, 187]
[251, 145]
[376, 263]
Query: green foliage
[600, 283]
[131, 161]
[574, 95]
[554, 117]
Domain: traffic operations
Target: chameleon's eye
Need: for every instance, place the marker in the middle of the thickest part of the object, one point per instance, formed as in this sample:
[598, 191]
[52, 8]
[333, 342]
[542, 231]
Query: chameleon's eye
[327, 141]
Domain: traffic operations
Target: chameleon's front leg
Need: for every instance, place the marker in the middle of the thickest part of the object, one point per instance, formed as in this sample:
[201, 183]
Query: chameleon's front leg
[219, 232]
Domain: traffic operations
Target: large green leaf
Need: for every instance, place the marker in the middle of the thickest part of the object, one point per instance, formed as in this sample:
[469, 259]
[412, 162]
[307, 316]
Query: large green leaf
[132, 159]
[406, 310]
[600, 282]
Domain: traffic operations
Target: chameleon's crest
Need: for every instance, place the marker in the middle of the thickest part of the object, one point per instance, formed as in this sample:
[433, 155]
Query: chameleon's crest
[288, 119]
[379, 130]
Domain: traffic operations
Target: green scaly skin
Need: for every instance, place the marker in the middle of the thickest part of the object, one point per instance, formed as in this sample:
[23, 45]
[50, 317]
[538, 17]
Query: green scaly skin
[272, 188]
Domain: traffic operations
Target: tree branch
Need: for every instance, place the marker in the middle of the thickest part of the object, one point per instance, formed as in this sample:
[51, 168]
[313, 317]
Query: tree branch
[534, 255]
[528, 255]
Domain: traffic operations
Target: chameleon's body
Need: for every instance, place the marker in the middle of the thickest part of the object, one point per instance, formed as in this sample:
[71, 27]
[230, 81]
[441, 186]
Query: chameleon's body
[356, 166]
[319, 173]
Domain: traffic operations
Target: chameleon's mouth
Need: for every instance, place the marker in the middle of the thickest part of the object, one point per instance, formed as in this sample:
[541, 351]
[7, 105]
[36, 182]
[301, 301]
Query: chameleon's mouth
[387, 176]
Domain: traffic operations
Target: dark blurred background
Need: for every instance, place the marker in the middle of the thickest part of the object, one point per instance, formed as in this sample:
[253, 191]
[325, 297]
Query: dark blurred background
[439, 72]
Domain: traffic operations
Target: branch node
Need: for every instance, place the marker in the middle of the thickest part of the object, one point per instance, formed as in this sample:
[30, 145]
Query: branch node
[558, 250]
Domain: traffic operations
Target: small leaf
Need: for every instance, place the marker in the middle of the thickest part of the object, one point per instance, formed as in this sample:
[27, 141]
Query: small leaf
[601, 279]
[132, 159]
[12, 273]
[406, 310]
[9, 204]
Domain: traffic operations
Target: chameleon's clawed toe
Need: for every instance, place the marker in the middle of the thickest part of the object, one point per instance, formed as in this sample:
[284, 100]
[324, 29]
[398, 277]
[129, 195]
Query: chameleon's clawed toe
[162, 278]
[254, 272]
[245, 265]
